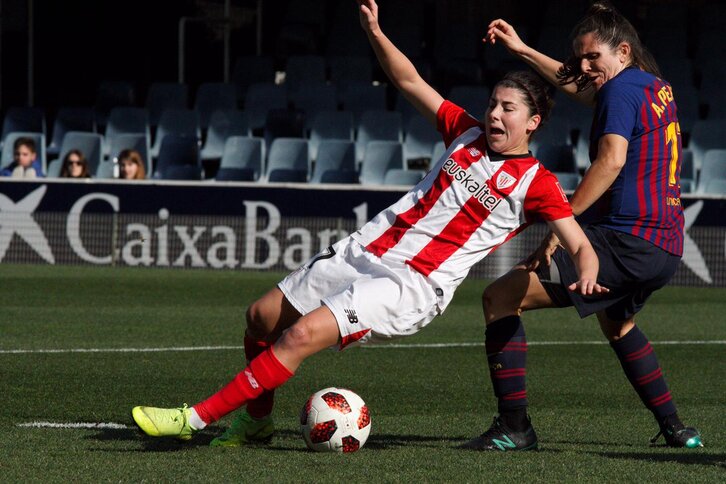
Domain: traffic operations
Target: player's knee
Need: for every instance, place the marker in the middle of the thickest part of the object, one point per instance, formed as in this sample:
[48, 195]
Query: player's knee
[256, 320]
[297, 336]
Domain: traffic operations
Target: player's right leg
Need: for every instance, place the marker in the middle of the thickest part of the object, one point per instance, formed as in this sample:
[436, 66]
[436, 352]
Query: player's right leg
[266, 319]
[311, 333]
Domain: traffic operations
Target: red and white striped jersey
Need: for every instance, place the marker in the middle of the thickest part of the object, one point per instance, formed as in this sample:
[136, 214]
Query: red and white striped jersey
[465, 207]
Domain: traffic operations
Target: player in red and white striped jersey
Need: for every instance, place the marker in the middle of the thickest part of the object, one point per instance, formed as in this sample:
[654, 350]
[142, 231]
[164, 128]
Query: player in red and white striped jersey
[400, 270]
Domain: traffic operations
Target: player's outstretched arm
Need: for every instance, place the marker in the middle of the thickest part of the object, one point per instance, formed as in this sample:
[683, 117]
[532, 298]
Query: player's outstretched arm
[574, 240]
[502, 32]
[397, 66]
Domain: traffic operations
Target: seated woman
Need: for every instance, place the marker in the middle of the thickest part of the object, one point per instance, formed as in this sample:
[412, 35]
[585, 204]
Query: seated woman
[131, 165]
[75, 165]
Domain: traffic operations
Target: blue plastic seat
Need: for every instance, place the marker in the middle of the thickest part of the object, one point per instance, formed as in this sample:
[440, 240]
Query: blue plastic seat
[212, 96]
[283, 123]
[380, 156]
[340, 176]
[223, 124]
[377, 125]
[715, 187]
[329, 125]
[70, 119]
[706, 135]
[438, 151]
[137, 142]
[714, 168]
[557, 158]
[163, 96]
[126, 120]
[473, 98]
[23, 119]
[421, 136]
[568, 181]
[182, 122]
[334, 155]
[313, 98]
[400, 176]
[359, 96]
[242, 159]
[183, 172]
[289, 154]
[260, 99]
[346, 68]
[177, 151]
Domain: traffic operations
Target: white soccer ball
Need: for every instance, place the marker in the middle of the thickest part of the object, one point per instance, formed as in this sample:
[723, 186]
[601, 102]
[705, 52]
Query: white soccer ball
[335, 420]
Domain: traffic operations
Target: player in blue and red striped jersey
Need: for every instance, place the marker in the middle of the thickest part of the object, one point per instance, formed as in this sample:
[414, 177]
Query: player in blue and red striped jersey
[400, 270]
[635, 149]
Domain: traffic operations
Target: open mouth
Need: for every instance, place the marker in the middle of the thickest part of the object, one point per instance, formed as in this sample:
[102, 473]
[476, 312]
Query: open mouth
[496, 131]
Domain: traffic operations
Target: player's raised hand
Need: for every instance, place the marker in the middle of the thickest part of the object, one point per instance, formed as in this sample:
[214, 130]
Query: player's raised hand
[587, 287]
[501, 31]
[368, 10]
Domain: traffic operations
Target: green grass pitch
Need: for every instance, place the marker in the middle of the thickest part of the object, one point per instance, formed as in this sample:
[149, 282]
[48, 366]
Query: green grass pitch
[424, 400]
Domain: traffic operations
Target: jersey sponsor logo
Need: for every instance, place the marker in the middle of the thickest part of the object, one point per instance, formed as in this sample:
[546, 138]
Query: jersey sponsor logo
[505, 180]
[477, 188]
[352, 316]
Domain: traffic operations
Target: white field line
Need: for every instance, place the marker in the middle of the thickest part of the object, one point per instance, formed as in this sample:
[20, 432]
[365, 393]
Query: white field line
[73, 425]
[377, 347]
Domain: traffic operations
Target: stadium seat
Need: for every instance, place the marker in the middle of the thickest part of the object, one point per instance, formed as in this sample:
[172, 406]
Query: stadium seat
[329, 125]
[334, 155]
[347, 68]
[182, 122]
[283, 123]
[242, 159]
[473, 98]
[340, 176]
[380, 156]
[7, 150]
[406, 109]
[400, 176]
[290, 157]
[110, 95]
[90, 144]
[70, 119]
[714, 168]
[377, 125]
[182, 172]
[23, 119]
[138, 142]
[688, 175]
[301, 69]
[555, 131]
[126, 120]
[212, 96]
[706, 135]
[421, 136]
[558, 158]
[314, 97]
[359, 96]
[163, 96]
[223, 124]
[438, 151]
[54, 168]
[568, 181]
[261, 98]
[250, 70]
[715, 187]
[177, 151]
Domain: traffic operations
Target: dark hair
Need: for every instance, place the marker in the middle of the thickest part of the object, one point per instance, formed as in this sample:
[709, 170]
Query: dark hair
[536, 91]
[66, 168]
[611, 28]
[25, 141]
[135, 157]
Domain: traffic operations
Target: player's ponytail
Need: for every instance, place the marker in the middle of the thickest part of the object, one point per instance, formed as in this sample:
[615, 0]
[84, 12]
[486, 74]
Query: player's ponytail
[611, 28]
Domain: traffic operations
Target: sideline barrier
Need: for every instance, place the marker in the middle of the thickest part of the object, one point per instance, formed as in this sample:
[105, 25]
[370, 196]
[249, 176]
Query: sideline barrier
[250, 226]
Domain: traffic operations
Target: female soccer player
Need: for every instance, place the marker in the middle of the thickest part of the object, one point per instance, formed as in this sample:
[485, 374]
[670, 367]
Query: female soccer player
[635, 148]
[400, 270]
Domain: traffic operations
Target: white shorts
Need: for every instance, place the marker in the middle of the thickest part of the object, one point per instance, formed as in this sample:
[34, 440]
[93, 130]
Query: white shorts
[371, 301]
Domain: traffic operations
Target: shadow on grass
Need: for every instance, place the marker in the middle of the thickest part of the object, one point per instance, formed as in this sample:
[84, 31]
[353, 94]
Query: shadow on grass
[689, 457]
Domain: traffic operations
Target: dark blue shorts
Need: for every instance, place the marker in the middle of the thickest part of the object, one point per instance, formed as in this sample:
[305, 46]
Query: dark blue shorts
[631, 267]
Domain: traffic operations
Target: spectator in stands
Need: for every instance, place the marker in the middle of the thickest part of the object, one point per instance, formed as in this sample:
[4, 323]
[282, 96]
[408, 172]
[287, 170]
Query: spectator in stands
[25, 161]
[637, 233]
[74, 165]
[397, 272]
[131, 165]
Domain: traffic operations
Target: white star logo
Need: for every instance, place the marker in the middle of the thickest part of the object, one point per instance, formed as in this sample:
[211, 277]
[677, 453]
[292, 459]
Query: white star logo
[17, 218]
[692, 257]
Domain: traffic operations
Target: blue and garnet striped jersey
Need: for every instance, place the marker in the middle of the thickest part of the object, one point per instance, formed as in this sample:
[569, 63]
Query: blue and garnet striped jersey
[645, 199]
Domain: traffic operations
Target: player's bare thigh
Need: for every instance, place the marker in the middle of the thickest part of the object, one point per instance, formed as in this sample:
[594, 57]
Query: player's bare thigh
[270, 315]
[516, 291]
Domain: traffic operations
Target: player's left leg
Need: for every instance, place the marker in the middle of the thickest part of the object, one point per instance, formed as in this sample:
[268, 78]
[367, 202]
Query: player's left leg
[641, 367]
[506, 347]
[313, 332]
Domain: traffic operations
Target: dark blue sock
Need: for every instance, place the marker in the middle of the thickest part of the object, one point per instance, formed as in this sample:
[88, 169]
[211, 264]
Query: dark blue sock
[506, 346]
[642, 369]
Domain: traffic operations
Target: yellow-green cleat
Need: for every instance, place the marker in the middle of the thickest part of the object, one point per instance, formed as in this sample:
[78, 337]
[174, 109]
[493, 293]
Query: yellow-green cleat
[246, 430]
[164, 422]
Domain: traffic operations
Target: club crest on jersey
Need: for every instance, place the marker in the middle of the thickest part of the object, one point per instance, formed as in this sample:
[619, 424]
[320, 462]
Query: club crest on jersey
[505, 180]
[473, 151]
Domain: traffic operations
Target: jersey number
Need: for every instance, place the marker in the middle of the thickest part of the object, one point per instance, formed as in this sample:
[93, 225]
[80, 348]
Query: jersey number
[673, 132]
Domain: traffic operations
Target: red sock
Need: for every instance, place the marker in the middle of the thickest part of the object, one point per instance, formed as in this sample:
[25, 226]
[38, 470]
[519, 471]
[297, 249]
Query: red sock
[263, 373]
[262, 405]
